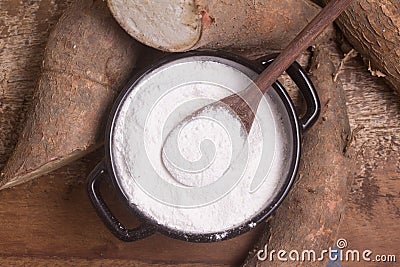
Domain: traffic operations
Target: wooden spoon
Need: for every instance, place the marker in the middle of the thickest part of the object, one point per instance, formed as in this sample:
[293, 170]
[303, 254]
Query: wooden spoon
[264, 81]
[247, 100]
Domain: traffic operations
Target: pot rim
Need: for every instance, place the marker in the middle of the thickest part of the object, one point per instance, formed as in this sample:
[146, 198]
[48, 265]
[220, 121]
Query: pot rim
[251, 222]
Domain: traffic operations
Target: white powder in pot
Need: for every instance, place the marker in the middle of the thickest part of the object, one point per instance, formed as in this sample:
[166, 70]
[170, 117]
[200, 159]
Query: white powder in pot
[204, 147]
[234, 185]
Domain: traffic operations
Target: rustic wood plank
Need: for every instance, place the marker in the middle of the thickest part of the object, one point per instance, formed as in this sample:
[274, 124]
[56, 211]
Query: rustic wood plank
[52, 217]
[61, 262]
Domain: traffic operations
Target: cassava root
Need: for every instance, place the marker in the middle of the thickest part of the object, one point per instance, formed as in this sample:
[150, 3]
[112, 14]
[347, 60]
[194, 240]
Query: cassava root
[373, 28]
[88, 58]
[309, 217]
[181, 25]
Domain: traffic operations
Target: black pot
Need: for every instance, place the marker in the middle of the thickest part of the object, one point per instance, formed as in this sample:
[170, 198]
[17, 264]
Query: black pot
[148, 227]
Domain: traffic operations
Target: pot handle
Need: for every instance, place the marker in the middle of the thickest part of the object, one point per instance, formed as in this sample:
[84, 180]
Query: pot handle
[112, 223]
[307, 89]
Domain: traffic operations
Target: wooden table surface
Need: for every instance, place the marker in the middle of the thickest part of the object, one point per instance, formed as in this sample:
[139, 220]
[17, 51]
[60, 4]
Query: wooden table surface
[50, 221]
[52, 216]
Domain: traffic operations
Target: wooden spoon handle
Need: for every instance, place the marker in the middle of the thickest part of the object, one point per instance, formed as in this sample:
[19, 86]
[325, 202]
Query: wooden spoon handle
[304, 39]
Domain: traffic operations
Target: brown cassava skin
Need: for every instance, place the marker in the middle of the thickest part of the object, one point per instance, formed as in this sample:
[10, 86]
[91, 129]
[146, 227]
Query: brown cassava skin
[88, 58]
[24, 29]
[241, 24]
[373, 28]
[309, 217]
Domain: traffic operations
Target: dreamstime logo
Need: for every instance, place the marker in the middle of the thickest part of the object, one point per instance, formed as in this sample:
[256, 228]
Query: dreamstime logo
[338, 253]
[191, 161]
[341, 243]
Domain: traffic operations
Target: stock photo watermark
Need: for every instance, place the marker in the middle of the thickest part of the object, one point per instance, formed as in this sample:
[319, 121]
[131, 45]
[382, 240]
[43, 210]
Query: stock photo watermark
[340, 252]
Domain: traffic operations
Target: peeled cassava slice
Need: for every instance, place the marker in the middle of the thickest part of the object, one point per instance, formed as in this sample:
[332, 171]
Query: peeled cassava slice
[88, 58]
[180, 25]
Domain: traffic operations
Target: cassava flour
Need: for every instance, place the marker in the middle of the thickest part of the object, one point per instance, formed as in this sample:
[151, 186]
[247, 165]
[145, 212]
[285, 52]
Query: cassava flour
[212, 176]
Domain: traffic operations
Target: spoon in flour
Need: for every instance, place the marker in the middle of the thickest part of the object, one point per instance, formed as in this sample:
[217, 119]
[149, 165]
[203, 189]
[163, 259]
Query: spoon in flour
[242, 104]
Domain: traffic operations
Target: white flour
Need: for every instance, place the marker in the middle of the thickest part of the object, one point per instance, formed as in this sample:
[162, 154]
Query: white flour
[220, 129]
[178, 201]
